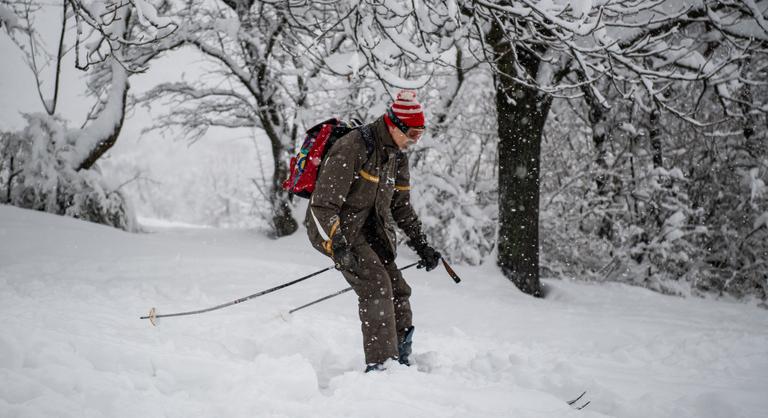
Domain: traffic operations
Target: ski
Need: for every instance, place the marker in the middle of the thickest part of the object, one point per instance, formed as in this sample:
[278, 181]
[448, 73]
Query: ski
[578, 398]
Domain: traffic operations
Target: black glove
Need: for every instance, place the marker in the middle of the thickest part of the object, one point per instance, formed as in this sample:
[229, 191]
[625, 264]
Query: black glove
[429, 257]
[342, 254]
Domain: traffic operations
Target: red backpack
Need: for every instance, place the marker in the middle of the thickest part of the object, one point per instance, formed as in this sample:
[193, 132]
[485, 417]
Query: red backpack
[318, 140]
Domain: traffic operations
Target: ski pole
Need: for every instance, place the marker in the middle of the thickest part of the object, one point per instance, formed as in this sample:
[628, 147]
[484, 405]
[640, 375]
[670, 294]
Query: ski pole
[450, 271]
[333, 295]
[448, 268]
[153, 314]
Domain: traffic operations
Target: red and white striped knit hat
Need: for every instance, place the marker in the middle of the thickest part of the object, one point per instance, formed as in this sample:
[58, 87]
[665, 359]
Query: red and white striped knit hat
[406, 111]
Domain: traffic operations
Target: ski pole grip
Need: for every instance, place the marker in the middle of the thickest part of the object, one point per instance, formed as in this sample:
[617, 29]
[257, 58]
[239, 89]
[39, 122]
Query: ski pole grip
[450, 271]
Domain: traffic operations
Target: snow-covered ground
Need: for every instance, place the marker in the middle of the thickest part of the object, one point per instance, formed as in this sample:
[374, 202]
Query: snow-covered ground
[72, 344]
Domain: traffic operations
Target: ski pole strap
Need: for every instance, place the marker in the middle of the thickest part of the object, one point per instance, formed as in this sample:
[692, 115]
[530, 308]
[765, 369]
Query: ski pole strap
[450, 271]
[249, 297]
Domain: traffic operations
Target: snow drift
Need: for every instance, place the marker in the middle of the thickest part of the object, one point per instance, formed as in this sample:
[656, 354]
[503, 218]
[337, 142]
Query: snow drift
[72, 345]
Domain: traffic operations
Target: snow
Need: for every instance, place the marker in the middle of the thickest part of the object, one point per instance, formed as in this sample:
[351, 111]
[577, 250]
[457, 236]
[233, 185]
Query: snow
[453, 9]
[148, 15]
[9, 19]
[346, 63]
[761, 220]
[581, 7]
[229, 25]
[72, 344]
[397, 81]
[756, 185]
[757, 14]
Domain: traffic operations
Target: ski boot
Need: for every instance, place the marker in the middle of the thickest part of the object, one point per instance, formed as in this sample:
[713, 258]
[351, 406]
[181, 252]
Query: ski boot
[404, 348]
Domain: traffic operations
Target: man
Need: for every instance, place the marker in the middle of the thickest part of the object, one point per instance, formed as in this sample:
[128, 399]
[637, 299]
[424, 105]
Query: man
[362, 191]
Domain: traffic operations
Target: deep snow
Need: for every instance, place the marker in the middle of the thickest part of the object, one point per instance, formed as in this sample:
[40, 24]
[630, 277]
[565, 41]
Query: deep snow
[72, 345]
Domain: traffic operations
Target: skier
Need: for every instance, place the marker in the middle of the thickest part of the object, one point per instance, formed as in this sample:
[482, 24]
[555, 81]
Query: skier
[359, 197]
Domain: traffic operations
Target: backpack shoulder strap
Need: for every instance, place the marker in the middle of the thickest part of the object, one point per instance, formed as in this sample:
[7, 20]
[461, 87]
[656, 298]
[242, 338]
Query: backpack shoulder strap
[367, 135]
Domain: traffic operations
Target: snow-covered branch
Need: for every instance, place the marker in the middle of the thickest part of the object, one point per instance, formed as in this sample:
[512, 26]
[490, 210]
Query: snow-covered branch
[98, 29]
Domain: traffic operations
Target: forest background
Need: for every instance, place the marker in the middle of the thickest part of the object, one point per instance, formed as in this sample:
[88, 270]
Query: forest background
[601, 140]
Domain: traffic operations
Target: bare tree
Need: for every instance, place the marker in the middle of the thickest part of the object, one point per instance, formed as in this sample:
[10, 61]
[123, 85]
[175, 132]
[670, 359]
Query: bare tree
[264, 75]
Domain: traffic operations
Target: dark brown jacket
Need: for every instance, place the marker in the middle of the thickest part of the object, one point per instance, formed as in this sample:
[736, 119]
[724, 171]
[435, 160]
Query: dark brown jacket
[363, 197]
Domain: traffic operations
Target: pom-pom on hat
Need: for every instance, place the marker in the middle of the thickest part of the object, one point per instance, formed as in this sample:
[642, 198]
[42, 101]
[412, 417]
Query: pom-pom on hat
[406, 112]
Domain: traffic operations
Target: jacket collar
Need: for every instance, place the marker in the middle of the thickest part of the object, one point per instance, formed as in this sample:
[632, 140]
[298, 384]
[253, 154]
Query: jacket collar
[381, 131]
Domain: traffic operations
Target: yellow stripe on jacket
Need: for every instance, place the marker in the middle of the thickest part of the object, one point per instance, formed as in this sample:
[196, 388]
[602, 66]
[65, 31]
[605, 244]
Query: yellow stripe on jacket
[368, 176]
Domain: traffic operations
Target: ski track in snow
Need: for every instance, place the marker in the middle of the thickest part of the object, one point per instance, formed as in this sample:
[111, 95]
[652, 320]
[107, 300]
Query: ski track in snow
[72, 345]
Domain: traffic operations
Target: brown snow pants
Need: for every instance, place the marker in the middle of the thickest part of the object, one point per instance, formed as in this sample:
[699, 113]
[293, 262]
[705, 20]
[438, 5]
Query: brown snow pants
[383, 302]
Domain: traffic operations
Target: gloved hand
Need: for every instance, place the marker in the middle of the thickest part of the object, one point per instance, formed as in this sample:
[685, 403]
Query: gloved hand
[342, 253]
[429, 257]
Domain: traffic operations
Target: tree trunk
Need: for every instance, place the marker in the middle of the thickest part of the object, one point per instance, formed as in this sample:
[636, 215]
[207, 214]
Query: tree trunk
[521, 113]
[272, 121]
[101, 134]
[753, 146]
[108, 129]
[655, 138]
[283, 222]
[598, 119]
[282, 217]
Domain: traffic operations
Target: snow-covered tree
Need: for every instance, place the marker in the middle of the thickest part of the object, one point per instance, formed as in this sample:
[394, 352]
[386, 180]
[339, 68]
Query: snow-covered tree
[651, 199]
[539, 50]
[48, 165]
[265, 65]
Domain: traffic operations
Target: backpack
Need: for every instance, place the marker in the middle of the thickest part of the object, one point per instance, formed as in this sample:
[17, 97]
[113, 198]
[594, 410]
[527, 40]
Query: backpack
[318, 140]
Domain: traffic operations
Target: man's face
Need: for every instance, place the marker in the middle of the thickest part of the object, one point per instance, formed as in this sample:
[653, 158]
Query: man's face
[405, 140]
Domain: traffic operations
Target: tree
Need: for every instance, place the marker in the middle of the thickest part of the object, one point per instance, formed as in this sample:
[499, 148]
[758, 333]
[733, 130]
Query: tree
[684, 204]
[49, 166]
[541, 50]
[264, 75]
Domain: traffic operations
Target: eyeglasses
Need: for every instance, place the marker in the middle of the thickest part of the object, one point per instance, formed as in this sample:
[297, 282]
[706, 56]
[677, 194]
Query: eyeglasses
[414, 133]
